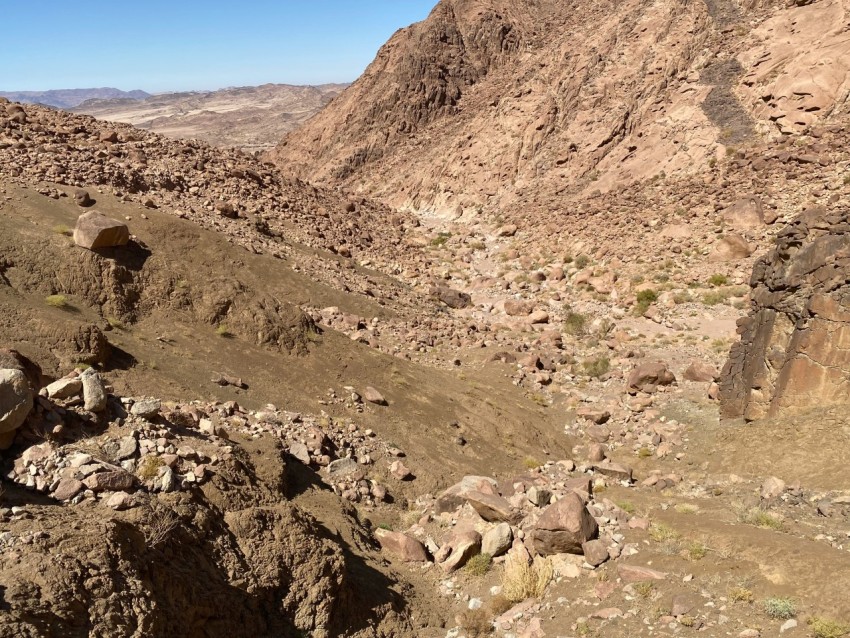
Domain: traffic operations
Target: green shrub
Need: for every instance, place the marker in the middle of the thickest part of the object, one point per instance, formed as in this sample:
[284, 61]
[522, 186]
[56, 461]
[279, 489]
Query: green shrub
[826, 628]
[718, 280]
[56, 301]
[478, 565]
[780, 608]
[582, 261]
[645, 298]
[575, 324]
[596, 368]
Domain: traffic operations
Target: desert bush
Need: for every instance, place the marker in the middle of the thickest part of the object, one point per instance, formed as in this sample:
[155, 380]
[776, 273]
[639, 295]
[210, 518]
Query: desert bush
[780, 608]
[158, 524]
[826, 628]
[223, 331]
[645, 298]
[596, 368]
[582, 261]
[478, 565]
[644, 589]
[575, 324]
[56, 301]
[149, 467]
[718, 280]
[476, 622]
[741, 595]
[521, 581]
[760, 518]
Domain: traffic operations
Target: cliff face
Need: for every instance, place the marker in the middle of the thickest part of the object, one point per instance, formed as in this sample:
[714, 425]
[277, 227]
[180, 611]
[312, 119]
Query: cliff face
[793, 352]
[489, 103]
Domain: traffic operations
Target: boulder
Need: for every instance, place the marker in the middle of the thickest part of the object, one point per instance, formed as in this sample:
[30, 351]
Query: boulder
[461, 545]
[493, 508]
[373, 396]
[451, 297]
[731, 247]
[701, 372]
[112, 481]
[564, 527]
[401, 546]
[64, 388]
[95, 230]
[637, 574]
[793, 352]
[745, 214]
[497, 540]
[94, 391]
[648, 376]
[455, 496]
[82, 198]
[146, 408]
[595, 552]
[16, 399]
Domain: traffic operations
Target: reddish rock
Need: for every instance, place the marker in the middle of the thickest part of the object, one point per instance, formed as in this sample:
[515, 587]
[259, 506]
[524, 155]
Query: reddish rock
[401, 546]
[648, 376]
[564, 527]
[112, 481]
[636, 574]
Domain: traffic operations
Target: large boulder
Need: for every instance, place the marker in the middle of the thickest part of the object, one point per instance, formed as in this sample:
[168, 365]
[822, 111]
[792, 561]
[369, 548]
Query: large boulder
[732, 247]
[564, 527]
[95, 230]
[493, 508]
[745, 214]
[794, 351]
[16, 398]
[451, 297]
[455, 496]
[648, 376]
[401, 546]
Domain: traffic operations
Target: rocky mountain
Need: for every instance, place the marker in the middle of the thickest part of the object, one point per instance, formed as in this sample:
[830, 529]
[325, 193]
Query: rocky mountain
[251, 118]
[503, 105]
[70, 98]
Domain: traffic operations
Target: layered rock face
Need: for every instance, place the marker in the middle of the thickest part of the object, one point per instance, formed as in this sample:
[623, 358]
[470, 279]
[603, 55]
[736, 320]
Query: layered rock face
[793, 352]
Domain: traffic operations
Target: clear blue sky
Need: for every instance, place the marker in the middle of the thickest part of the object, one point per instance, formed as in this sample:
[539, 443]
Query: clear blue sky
[166, 45]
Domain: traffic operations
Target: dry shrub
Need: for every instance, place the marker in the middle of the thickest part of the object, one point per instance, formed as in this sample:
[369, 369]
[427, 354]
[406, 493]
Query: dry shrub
[521, 581]
[476, 622]
[159, 523]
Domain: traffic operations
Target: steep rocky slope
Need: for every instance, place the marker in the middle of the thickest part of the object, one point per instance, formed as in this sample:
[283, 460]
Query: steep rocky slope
[252, 118]
[490, 104]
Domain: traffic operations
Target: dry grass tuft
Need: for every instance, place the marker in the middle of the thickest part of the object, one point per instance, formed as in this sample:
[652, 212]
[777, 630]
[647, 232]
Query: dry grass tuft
[521, 581]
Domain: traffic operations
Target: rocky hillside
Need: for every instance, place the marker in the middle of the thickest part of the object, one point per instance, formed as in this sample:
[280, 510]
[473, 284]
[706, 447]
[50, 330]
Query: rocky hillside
[488, 103]
[252, 118]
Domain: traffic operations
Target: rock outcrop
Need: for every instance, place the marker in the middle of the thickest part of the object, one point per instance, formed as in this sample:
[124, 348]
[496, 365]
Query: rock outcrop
[793, 352]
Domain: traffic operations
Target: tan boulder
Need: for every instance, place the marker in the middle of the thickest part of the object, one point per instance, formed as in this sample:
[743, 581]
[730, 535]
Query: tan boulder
[745, 214]
[95, 230]
[732, 247]
[493, 508]
[401, 546]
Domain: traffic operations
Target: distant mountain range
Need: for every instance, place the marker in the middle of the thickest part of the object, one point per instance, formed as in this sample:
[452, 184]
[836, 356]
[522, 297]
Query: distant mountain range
[251, 117]
[69, 98]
